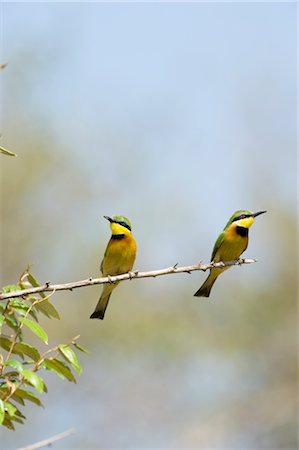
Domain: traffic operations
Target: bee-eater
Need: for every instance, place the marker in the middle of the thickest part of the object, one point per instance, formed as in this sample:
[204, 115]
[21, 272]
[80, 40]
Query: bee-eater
[119, 258]
[230, 245]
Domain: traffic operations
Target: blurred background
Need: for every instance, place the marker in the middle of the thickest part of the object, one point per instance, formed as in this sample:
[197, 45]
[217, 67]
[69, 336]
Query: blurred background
[174, 115]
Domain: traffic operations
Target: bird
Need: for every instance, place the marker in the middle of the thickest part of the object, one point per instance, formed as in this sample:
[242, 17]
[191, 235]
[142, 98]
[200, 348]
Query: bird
[119, 258]
[229, 246]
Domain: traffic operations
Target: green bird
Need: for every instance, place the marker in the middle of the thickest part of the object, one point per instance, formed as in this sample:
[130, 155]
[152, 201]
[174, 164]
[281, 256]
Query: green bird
[230, 245]
[119, 258]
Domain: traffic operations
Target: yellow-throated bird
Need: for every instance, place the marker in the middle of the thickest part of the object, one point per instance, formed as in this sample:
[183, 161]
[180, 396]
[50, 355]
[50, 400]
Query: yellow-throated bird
[230, 245]
[119, 258]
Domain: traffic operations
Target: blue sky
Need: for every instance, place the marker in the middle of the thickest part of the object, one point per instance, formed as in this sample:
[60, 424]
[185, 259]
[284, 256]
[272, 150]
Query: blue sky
[153, 99]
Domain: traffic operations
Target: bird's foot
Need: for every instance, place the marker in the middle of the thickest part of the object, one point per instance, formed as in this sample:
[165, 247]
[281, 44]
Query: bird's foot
[110, 280]
[240, 261]
[133, 274]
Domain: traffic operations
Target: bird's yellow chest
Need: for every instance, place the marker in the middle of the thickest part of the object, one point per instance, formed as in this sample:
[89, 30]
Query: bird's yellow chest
[119, 256]
[233, 245]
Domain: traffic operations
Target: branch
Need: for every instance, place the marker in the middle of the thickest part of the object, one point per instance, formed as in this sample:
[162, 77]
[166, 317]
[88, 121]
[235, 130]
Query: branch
[47, 287]
[49, 441]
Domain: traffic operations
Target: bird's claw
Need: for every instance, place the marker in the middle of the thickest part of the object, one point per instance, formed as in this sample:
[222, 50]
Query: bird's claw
[132, 274]
[110, 279]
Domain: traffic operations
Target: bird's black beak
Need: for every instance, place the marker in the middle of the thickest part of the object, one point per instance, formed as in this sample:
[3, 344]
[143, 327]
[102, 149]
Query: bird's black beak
[258, 213]
[108, 218]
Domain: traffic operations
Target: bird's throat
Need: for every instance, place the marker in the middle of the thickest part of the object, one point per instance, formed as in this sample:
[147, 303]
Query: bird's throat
[242, 231]
[117, 237]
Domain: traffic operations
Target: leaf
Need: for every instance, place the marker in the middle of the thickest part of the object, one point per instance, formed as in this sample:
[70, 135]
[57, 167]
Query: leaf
[78, 347]
[2, 411]
[17, 399]
[10, 288]
[69, 354]
[18, 303]
[35, 283]
[8, 423]
[12, 322]
[15, 364]
[28, 350]
[27, 395]
[48, 309]
[2, 319]
[11, 409]
[60, 368]
[35, 328]
[19, 414]
[5, 343]
[17, 419]
[35, 380]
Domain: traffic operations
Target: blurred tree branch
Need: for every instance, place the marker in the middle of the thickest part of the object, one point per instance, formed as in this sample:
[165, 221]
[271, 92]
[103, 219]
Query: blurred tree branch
[49, 441]
[48, 287]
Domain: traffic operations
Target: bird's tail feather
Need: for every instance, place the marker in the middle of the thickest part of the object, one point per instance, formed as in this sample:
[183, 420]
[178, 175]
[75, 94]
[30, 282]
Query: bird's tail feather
[100, 310]
[205, 289]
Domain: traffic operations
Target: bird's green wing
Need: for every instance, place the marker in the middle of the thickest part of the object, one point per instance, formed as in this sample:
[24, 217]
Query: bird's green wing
[218, 244]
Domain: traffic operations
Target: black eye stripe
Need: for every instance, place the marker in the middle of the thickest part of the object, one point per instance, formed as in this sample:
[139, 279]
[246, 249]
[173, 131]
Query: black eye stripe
[241, 216]
[124, 224]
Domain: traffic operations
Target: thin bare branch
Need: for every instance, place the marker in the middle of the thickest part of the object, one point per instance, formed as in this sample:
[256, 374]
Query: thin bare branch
[48, 287]
[49, 441]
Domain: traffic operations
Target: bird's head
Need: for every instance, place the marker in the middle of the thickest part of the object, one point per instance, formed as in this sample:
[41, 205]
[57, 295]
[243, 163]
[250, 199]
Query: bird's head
[119, 224]
[243, 218]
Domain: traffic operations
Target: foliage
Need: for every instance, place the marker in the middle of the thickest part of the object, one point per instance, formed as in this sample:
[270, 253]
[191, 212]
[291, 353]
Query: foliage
[21, 363]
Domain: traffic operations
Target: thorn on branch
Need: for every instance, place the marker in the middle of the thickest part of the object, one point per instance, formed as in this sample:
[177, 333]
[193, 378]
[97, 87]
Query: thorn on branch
[175, 266]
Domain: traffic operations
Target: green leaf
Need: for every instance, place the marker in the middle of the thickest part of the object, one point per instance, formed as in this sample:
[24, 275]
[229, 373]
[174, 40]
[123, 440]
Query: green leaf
[18, 303]
[12, 322]
[68, 353]
[35, 283]
[17, 399]
[35, 380]
[2, 411]
[2, 319]
[60, 368]
[11, 409]
[19, 414]
[5, 343]
[35, 328]
[78, 347]
[15, 364]
[8, 423]
[10, 288]
[27, 395]
[28, 350]
[48, 309]
[17, 419]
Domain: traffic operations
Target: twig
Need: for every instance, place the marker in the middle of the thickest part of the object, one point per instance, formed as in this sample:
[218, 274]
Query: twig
[126, 276]
[49, 441]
